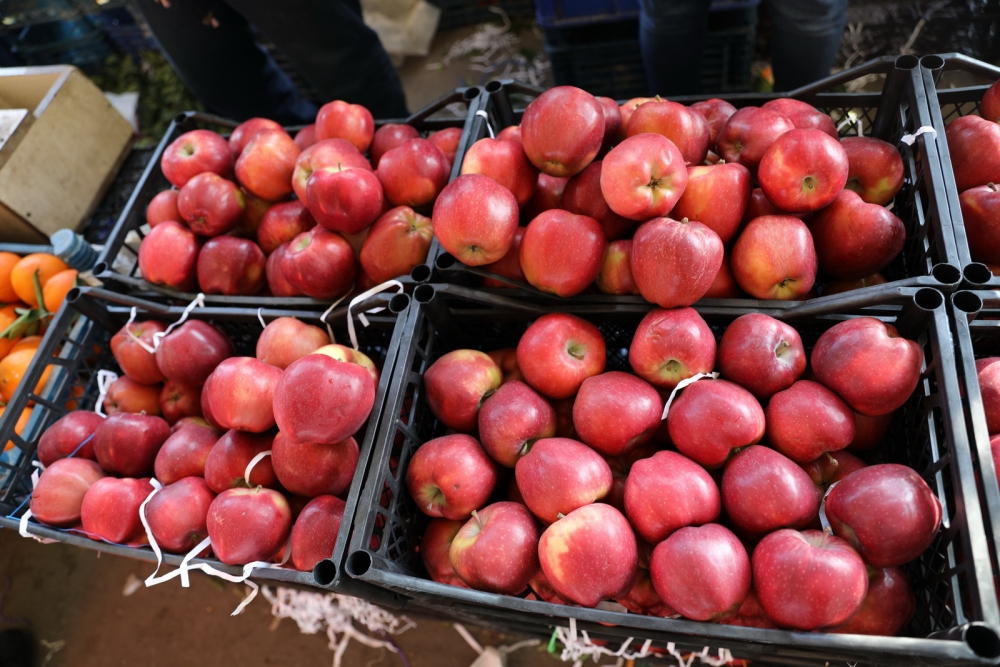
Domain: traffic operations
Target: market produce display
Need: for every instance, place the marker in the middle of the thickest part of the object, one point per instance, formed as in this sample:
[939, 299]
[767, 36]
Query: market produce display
[263, 213]
[246, 450]
[735, 496]
[675, 203]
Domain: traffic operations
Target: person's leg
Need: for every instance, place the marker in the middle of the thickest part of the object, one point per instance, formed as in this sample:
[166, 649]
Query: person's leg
[805, 39]
[672, 39]
[332, 48]
[213, 51]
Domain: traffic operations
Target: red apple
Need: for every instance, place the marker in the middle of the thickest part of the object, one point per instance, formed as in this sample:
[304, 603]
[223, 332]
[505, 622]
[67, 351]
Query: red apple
[854, 239]
[548, 195]
[306, 137]
[254, 212]
[716, 112]
[562, 130]
[66, 435]
[319, 263]
[803, 115]
[210, 204]
[136, 361]
[615, 412]
[759, 206]
[163, 207]
[988, 376]
[346, 201]
[724, 286]
[193, 153]
[875, 169]
[763, 490]
[670, 346]
[352, 122]
[506, 359]
[127, 395]
[314, 534]
[333, 153]
[504, 162]
[241, 393]
[981, 215]
[627, 109]
[57, 497]
[248, 525]
[246, 131]
[190, 353]
[457, 384]
[287, 339]
[333, 415]
[711, 418]
[582, 196]
[989, 106]
[414, 173]
[231, 266]
[666, 492]
[226, 464]
[761, 354]
[674, 263]
[868, 364]
[803, 170]
[687, 129]
[888, 606]
[435, 548]
[831, 468]
[396, 243]
[887, 512]
[447, 140]
[562, 273]
[612, 123]
[703, 573]
[558, 352]
[748, 134]
[869, 431]
[178, 401]
[351, 356]
[206, 409]
[512, 420]
[110, 510]
[512, 133]
[750, 615]
[643, 177]
[266, 165]
[774, 258]
[177, 514]
[451, 476]
[559, 475]
[807, 420]
[184, 453]
[389, 136]
[314, 469]
[808, 580]
[642, 598]
[496, 550]
[974, 144]
[475, 218]
[276, 281]
[168, 255]
[282, 223]
[717, 197]
[508, 266]
[589, 555]
[615, 276]
[127, 444]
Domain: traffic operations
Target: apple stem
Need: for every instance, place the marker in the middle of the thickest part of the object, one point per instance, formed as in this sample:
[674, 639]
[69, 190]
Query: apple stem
[833, 461]
[475, 515]
[992, 187]
[721, 162]
[684, 221]
[560, 516]
[527, 446]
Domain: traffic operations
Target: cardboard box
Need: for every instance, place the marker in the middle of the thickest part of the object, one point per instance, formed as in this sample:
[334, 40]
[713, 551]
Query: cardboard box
[61, 145]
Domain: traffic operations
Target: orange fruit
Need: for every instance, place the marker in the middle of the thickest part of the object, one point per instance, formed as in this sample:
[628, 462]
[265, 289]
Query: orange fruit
[22, 421]
[7, 317]
[27, 343]
[12, 369]
[7, 262]
[75, 392]
[55, 290]
[22, 276]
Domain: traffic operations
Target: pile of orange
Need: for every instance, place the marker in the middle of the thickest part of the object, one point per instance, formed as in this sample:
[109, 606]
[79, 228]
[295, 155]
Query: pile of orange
[31, 290]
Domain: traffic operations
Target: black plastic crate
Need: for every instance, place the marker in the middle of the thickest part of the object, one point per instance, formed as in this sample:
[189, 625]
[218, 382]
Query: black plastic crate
[930, 256]
[945, 105]
[152, 181]
[458, 13]
[957, 619]
[77, 345]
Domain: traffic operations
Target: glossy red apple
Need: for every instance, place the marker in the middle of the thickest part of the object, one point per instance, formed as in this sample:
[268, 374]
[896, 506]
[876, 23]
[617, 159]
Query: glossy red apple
[807, 420]
[66, 435]
[504, 162]
[627, 109]
[178, 401]
[763, 490]
[241, 393]
[344, 200]
[389, 136]
[748, 134]
[110, 510]
[616, 412]
[276, 281]
[759, 206]
[803, 170]
[562, 130]
[887, 512]
[314, 534]
[548, 195]
[246, 131]
[127, 395]
[612, 123]
[670, 346]
[231, 266]
[352, 356]
[457, 384]
[168, 256]
[559, 475]
[761, 354]
[266, 165]
[475, 218]
[512, 419]
[282, 223]
[558, 352]
[674, 263]
[184, 452]
[497, 549]
[774, 258]
[831, 468]
[615, 276]
[803, 115]
[435, 548]
[191, 352]
[414, 173]
[583, 196]
[716, 196]
[163, 207]
[352, 122]
[319, 263]
[711, 418]
[889, 605]
[974, 144]
[508, 266]
[808, 580]
[562, 273]
[177, 514]
[875, 169]
[133, 358]
[333, 415]
[988, 376]
[57, 497]
[724, 286]
[687, 129]
[127, 444]
[981, 215]
[193, 153]
[668, 491]
[447, 140]
[643, 177]
[868, 364]
[332, 153]
[701, 572]
[288, 339]
[716, 112]
[248, 525]
[225, 467]
[398, 241]
[854, 239]
[314, 469]
[210, 204]
[642, 598]
[451, 476]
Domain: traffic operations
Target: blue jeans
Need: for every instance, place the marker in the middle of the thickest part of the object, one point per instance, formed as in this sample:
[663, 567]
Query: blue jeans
[804, 42]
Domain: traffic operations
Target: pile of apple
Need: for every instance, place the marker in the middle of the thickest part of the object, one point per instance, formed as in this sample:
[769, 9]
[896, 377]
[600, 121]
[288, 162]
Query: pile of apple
[974, 144]
[98, 469]
[632, 198]
[714, 514]
[231, 227]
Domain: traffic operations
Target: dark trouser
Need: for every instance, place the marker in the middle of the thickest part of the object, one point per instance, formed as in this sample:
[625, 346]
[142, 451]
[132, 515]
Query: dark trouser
[804, 42]
[211, 45]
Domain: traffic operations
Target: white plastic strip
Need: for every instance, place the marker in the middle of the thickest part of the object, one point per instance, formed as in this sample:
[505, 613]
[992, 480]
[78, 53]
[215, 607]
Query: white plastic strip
[908, 139]
[823, 520]
[578, 648]
[724, 656]
[128, 329]
[469, 639]
[486, 116]
[254, 461]
[680, 385]
[260, 318]
[852, 118]
[151, 580]
[23, 530]
[326, 314]
[361, 297]
[104, 381]
[198, 302]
